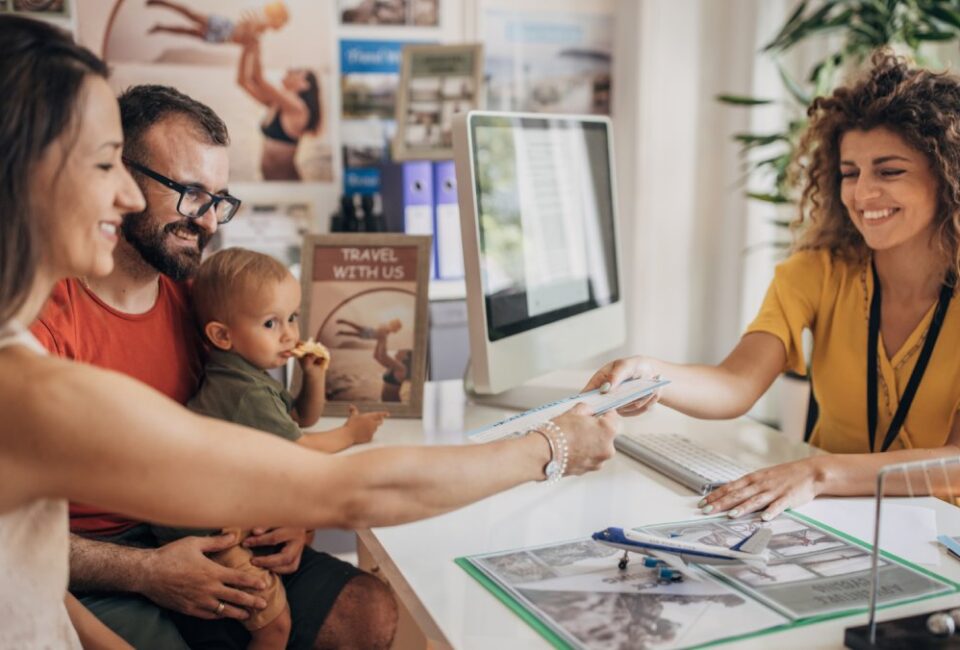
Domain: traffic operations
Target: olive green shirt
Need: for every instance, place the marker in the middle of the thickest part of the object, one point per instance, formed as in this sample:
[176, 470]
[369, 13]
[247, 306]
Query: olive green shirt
[235, 390]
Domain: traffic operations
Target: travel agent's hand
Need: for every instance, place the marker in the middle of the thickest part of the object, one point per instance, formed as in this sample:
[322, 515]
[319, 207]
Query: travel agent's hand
[772, 490]
[616, 372]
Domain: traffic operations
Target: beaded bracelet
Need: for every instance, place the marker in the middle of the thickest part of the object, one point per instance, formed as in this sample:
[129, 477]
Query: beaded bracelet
[559, 452]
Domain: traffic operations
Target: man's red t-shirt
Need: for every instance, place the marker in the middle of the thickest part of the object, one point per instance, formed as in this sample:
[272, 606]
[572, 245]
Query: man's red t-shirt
[161, 347]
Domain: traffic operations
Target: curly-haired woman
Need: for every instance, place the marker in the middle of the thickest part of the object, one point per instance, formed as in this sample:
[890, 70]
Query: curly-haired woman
[872, 276]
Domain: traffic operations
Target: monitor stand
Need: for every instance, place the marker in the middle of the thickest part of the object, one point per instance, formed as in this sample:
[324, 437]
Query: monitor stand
[522, 398]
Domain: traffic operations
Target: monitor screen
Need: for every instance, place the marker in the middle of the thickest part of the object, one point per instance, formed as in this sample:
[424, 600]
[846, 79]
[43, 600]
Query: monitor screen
[546, 219]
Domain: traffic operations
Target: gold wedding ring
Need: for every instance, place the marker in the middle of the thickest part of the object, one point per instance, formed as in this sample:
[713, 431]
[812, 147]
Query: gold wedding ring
[219, 610]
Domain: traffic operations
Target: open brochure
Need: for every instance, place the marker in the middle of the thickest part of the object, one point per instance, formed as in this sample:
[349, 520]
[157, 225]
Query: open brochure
[574, 594]
[600, 403]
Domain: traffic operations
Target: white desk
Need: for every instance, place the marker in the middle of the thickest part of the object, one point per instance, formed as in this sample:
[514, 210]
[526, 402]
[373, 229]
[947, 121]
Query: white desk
[451, 609]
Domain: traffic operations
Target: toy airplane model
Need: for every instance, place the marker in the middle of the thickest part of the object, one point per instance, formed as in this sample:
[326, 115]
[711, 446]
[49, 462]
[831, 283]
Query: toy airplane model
[677, 554]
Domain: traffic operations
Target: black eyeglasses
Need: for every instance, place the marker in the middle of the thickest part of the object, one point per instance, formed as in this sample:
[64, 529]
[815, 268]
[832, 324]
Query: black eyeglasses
[194, 202]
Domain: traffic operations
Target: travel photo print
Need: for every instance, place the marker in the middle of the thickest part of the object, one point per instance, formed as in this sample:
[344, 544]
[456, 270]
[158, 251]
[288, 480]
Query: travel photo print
[365, 299]
[40, 8]
[436, 83]
[264, 66]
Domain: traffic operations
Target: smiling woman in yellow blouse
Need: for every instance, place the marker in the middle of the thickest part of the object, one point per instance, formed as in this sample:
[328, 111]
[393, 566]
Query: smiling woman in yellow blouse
[872, 276]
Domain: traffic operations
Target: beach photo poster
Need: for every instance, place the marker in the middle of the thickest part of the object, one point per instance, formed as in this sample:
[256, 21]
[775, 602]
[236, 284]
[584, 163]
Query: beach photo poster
[265, 68]
[365, 299]
[39, 8]
[390, 13]
[369, 76]
[436, 83]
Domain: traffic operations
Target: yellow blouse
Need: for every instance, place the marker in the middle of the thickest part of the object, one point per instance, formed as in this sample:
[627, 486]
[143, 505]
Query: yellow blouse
[831, 298]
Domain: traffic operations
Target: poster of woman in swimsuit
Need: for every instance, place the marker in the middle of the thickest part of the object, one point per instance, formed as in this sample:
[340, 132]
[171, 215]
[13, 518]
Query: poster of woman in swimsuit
[265, 68]
[365, 299]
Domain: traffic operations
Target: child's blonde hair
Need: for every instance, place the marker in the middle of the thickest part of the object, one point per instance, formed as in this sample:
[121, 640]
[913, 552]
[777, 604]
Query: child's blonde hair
[276, 14]
[227, 276]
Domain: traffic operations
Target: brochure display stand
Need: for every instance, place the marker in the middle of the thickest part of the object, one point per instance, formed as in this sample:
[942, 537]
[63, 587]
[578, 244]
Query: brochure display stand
[938, 629]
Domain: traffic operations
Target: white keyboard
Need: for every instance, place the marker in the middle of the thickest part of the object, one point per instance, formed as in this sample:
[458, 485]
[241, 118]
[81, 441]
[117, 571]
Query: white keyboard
[681, 459]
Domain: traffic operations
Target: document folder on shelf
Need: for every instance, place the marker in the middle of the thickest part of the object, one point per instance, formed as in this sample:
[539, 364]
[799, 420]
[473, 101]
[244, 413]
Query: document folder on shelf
[447, 242]
[418, 202]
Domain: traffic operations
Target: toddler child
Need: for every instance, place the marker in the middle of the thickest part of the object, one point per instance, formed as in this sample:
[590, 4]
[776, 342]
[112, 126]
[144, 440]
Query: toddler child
[247, 305]
[214, 28]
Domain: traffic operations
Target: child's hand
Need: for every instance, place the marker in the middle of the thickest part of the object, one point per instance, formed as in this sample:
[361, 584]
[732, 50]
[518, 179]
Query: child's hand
[315, 366]
[363, 425]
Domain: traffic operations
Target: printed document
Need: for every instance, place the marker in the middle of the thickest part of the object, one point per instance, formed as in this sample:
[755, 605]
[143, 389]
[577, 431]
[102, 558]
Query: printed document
[600, 403]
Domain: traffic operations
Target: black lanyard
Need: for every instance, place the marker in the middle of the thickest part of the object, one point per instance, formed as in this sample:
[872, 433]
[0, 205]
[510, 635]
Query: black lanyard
[946, 292]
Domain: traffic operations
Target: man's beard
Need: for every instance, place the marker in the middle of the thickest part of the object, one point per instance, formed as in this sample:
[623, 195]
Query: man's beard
[150, 241]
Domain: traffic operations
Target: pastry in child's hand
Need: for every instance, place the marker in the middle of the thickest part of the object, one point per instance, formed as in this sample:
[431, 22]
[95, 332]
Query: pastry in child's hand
[315, 348]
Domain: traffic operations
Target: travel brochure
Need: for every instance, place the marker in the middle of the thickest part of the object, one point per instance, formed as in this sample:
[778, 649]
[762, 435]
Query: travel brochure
[574, 594]
[599, 403]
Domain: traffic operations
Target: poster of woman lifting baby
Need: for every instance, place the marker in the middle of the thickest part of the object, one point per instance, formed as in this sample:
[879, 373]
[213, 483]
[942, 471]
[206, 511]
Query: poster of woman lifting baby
[264, 66]
[365, 299]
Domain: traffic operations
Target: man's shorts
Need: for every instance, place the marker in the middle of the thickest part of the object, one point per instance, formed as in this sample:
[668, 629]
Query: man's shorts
[311, 592]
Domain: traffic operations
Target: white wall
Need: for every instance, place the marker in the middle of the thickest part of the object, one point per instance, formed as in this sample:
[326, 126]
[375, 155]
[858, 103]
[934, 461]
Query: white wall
[682, 208]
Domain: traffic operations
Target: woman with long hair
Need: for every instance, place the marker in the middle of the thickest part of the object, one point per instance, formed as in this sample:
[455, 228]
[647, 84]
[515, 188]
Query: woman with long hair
[293, 111]
[873, 276]
[77, 432]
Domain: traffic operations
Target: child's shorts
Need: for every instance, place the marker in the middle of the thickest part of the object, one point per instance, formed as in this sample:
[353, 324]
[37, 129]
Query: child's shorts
[219, 29]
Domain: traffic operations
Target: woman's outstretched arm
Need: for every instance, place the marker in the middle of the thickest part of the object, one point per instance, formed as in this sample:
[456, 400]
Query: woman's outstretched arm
[96, 436]
[777, 488]
[383, 357]
[245, 74]
[250, 77]
[727, 390]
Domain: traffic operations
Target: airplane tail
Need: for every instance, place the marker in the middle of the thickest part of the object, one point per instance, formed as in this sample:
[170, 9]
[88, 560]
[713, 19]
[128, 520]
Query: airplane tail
[755, 543]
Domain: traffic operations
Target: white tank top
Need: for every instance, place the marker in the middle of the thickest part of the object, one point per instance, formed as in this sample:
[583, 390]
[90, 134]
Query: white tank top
[34, 559]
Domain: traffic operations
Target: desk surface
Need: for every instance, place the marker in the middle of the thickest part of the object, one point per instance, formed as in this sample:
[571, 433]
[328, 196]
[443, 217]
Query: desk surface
[624, 493]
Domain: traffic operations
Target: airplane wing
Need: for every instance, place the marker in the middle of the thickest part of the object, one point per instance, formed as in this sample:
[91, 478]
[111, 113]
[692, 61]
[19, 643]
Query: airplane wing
[677, 563]
[757, 542]
[671, 560]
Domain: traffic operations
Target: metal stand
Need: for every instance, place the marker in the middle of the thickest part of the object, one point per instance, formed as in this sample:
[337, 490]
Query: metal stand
[922, 478]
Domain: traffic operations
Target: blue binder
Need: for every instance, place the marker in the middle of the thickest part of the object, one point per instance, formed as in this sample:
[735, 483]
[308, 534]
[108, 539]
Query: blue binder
[418, 202]
[447, 242]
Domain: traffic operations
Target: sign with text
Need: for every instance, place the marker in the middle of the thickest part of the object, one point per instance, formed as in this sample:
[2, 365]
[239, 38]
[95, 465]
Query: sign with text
[365, 299]
[366, 264]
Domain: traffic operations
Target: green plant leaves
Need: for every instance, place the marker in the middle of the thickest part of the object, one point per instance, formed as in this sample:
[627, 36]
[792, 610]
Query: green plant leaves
[741, 100]
[865, 25]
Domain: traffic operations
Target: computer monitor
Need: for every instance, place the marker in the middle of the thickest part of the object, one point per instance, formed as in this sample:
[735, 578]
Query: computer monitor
[539, 225]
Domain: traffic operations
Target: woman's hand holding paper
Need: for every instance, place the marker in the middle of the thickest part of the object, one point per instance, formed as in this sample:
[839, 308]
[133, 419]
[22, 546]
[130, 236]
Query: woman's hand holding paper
[616, 372]
[589, 438]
